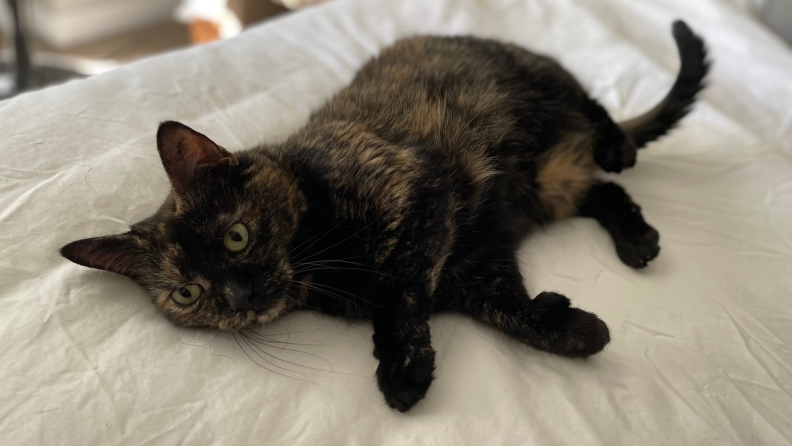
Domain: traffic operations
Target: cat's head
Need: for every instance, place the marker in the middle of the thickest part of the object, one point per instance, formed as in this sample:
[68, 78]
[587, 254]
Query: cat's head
[216, 253]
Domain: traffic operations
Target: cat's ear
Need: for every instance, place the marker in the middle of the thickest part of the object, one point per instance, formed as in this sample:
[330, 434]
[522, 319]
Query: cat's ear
[116, 253]
[187, 154]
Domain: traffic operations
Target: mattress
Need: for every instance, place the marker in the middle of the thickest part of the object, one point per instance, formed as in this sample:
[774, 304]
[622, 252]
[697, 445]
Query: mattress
[701, 350]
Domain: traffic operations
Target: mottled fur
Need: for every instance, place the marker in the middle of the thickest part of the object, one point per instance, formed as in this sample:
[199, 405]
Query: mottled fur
[405, 196]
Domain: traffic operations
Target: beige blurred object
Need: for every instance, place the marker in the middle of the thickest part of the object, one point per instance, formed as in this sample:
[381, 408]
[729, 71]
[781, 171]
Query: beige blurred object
[209, 20]
[65, 24]
[126, 47]
[203, 31]
[254, 11]
[297, 4]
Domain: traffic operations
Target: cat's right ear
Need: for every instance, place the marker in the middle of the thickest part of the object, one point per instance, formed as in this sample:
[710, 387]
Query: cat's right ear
[115, 253]
[187, 155]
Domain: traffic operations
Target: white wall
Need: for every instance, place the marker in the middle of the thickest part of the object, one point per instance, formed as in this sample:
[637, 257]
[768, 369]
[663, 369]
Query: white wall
[778, 15]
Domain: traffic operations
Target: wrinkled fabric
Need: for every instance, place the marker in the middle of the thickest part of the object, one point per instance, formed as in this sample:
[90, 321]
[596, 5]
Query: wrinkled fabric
[702, 338]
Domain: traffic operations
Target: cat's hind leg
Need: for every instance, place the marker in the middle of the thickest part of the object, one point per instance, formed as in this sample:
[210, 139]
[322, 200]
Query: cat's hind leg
[497, 297]
[636, 241]
[613, 150]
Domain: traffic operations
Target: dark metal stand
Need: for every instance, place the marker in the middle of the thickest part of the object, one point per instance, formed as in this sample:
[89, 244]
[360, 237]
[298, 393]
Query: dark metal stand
[26, 75]
[21, 50]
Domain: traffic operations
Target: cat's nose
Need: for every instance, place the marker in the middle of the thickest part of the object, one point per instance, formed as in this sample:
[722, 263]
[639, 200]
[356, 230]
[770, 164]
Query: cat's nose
[238, 294]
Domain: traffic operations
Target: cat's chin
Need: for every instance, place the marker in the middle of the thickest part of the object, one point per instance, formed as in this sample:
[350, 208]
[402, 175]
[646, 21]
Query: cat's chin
[263, 319]
[273, 312]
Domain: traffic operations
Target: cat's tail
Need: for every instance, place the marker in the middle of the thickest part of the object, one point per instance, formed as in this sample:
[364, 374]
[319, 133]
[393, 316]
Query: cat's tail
[678, 102]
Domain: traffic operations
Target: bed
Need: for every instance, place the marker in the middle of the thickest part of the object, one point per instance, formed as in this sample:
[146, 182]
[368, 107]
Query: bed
[702, 338]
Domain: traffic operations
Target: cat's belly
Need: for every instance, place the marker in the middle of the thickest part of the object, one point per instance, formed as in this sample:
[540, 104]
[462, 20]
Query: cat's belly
[565, 174]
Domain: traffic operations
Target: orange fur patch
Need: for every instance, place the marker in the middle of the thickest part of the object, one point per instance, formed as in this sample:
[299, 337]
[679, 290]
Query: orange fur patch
[566, 175]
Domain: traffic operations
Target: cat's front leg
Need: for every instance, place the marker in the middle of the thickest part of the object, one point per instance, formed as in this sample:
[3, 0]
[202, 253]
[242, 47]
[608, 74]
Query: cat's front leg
[402, 343]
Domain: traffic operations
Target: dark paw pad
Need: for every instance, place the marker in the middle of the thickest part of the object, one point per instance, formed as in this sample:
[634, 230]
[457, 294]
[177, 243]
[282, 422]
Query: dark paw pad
[568, 331]
[636, 248]
[404, 381]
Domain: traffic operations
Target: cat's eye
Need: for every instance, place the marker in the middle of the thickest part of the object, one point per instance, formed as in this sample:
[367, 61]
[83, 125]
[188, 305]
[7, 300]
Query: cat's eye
[236, 238]
[186, 294]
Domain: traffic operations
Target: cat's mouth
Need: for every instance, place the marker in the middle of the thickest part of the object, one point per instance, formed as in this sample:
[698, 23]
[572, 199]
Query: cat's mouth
[259, 307]
[255, 301]
[247, 317]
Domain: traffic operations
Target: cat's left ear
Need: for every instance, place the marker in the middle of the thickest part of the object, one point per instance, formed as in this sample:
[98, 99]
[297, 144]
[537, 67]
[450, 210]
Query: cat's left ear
[115, 253]
[188, 155]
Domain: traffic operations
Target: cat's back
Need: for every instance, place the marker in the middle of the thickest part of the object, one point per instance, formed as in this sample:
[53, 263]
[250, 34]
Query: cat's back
[448, 92]
[457, 61]
[439, 109]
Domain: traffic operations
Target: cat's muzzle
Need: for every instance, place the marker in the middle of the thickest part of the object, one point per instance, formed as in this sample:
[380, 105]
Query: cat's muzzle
[238, 295]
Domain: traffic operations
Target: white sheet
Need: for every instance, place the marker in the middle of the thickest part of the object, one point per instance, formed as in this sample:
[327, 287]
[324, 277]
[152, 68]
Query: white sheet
[701, 339]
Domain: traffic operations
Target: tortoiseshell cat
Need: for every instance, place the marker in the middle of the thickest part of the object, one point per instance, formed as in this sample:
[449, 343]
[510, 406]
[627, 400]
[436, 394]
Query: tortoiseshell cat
[405, 196]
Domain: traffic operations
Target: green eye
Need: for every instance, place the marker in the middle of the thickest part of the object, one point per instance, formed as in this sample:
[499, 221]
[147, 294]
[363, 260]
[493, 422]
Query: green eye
[236, 238]
[186, 294]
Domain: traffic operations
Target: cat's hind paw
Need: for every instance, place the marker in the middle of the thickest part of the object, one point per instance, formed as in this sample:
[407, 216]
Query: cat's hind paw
[565, 330]
[637, 248]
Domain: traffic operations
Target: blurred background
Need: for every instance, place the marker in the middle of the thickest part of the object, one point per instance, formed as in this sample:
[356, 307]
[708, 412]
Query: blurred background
[45, 42]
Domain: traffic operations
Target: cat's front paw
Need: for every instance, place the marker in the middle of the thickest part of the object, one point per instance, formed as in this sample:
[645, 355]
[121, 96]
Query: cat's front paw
[405, 380]
[637, 247]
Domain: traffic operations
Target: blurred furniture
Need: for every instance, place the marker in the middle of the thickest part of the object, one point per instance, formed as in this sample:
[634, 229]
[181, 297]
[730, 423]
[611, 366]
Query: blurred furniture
[68, 23]
[24, 73]
[49, 41]
[22, 68]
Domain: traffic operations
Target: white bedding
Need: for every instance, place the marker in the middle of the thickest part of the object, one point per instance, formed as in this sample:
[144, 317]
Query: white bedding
[702, 339]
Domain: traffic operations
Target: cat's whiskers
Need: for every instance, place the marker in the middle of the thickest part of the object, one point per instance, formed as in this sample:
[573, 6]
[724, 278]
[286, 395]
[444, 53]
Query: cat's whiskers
[254, 337]
[264, 338]
[299, 265]
[301, 303]
[320, 262]
[322, 288]
[342, 268]
[235, 333]
[344, 240]
[253, 344]
[326, 265]
[321, 285]
[313, 287]
[320, 237]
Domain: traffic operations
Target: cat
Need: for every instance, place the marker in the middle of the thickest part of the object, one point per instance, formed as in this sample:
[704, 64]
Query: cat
[405, 196]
